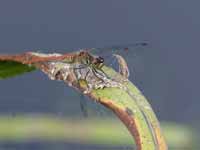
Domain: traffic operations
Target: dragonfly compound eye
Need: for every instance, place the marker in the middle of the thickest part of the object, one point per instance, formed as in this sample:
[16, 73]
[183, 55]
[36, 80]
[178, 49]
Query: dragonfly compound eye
[81, 53]
[100, 59]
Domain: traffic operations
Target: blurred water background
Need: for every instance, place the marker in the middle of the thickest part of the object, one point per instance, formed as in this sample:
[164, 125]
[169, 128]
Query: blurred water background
[166, 71]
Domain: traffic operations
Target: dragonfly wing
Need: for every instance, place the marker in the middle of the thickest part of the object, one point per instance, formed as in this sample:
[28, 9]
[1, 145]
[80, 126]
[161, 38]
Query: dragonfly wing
[127, 51]
[107, 50]
[83, 105]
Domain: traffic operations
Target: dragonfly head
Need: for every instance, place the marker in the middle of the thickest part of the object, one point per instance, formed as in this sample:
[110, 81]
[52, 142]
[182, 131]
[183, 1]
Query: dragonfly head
[97, 60]
[100, 59]
[91, 60]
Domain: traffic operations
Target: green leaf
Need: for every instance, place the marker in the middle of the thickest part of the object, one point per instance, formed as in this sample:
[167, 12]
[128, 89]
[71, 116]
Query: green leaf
[11, 68]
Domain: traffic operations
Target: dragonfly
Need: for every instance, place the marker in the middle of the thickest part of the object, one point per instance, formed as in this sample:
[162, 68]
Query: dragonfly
[105, 56]
[97, 57]
[94, 59]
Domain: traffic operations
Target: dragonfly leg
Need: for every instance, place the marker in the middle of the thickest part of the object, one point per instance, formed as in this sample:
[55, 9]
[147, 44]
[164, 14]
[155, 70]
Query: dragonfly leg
[104, 73]
[100, 65]
[100, 68]
[86, 75]
[88, 90]
[95, 72]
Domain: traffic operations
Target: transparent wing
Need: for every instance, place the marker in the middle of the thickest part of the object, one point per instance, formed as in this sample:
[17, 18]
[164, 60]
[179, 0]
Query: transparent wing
[130, 52]
[83, 105]
[120, 49]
